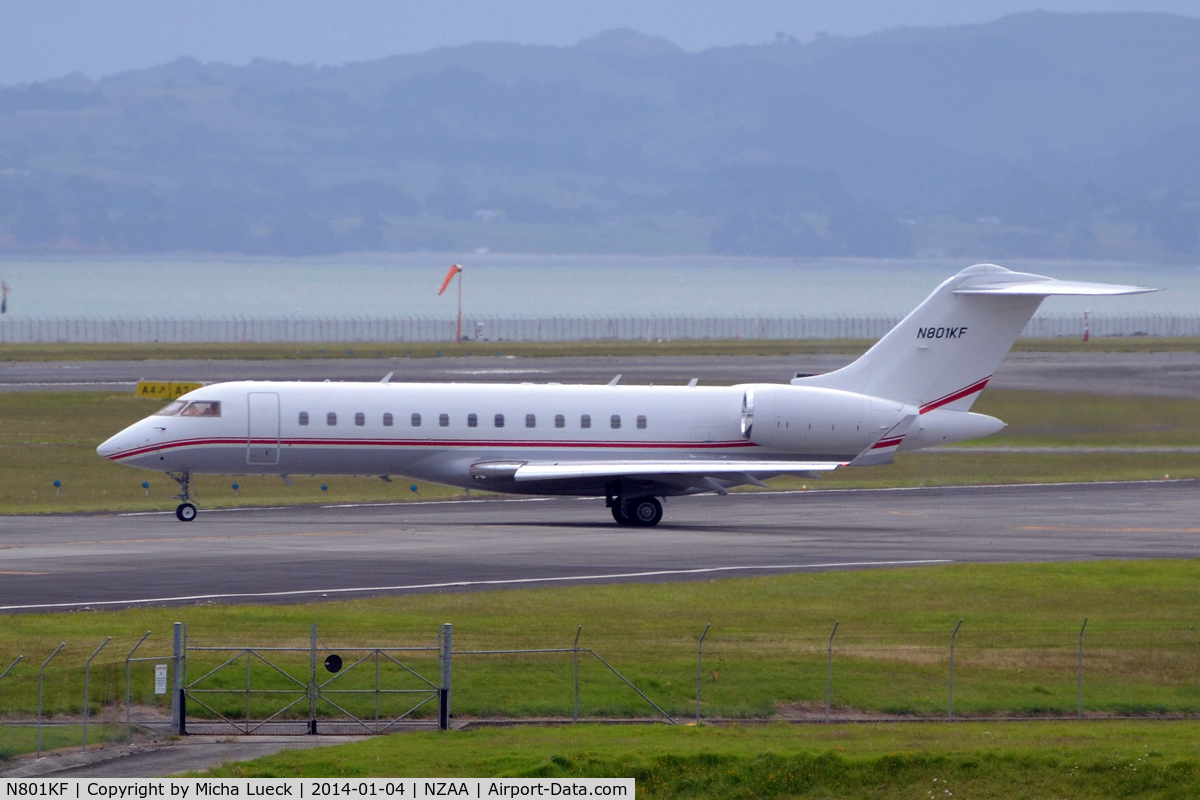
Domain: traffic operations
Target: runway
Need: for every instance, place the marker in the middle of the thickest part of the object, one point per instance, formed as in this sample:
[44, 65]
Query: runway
[309, 553]
[1165, 374]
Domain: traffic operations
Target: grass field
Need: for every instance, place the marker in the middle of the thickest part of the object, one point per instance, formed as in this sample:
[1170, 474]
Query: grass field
[767, 640]
[765, 656]
[52, 436]
[992, 760]
[18, 739]
[737, 347]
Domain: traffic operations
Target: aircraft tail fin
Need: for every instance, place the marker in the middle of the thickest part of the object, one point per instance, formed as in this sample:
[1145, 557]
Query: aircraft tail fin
[945, 351]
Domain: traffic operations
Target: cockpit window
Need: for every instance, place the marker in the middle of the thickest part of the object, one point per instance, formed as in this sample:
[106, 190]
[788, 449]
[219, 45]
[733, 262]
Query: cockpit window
[202, 408]
[171, 410]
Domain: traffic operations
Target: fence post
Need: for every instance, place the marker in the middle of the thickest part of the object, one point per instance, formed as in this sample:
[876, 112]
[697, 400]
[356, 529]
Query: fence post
[87, 667]
[312, 682]
[444, 692]
[700, 668]
[829, 671]
[128, 726]
[950, 705]
[4, 674]
[177, 723]
[183, 682]
[10, 667]
[1079, 673]
[40, 674]
[575, 716]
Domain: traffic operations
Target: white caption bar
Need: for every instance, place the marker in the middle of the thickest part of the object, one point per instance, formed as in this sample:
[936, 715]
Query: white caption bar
[408, 788]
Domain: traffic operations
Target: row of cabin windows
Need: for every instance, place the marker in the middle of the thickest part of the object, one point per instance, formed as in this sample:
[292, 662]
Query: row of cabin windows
[560, 421]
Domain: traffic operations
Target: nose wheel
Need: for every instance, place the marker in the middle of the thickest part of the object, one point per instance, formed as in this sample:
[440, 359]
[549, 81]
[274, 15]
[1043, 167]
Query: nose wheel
[186, 510]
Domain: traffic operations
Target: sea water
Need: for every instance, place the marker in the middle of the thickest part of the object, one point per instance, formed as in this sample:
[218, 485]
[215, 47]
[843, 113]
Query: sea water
[405, 285]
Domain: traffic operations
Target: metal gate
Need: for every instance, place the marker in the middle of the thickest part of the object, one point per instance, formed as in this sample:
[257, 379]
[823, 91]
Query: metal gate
[318, 689]
[262, 431]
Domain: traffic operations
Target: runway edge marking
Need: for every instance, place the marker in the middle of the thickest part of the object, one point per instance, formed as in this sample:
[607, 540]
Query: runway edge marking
[464, 584]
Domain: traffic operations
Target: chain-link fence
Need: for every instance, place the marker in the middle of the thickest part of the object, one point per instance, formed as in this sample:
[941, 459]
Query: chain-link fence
[545, 329]
[117, 690]
[79, 694]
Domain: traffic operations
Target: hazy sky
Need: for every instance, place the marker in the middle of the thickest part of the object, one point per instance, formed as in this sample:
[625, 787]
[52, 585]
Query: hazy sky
[49, 38]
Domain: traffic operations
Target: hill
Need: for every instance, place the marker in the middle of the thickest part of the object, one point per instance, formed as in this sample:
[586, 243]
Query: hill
[1037, 134]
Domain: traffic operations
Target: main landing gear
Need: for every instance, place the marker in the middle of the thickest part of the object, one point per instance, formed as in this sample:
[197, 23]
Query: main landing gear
[185, 511]
[645, 512]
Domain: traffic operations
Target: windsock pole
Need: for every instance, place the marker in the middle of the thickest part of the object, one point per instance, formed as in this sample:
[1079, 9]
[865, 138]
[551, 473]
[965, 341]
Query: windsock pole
[455, 269]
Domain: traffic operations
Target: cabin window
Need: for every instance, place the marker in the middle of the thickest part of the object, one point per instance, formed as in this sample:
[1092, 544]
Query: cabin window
[499, 420]
[387, 420]
[416, 420]
[303, 417]
[641, 421]
[360, 419]
[530, 421]
[560, 421]
[172, 409]
[331, 418]
[615, 421]
[444, 420]
[472, 421]
[202, 408]
[585, 420]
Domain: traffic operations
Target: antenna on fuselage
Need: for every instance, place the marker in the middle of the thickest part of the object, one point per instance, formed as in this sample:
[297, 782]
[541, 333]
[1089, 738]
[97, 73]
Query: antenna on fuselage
[387, 378]
[614, 381]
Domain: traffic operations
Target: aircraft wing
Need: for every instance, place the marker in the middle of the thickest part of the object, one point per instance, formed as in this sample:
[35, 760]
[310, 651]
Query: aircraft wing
[552, 470]
[541, 471]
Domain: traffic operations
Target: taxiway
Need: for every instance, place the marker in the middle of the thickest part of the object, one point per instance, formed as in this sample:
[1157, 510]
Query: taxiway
[1165, 374]
[306, 553]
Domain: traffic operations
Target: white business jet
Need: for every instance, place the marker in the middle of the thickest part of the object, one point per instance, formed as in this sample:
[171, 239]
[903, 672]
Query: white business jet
[628, 444]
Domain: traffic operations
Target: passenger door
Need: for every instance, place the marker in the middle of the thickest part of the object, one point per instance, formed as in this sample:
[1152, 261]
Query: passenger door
[262, 437]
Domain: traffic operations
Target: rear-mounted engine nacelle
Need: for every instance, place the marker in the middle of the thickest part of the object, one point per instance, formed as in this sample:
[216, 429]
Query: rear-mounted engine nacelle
[805, 419]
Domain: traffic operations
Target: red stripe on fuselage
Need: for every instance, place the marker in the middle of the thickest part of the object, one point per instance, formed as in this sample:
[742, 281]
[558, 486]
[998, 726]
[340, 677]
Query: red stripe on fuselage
[428, 443]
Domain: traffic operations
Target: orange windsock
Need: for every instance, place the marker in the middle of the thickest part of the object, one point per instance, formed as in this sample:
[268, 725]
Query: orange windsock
[454, 270]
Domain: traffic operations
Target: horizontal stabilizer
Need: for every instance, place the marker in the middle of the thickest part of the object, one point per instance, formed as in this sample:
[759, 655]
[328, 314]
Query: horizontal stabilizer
[1049, 287]
[539, 471]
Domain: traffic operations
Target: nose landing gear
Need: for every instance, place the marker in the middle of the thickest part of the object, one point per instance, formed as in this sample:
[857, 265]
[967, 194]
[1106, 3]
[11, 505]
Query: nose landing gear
[186, 510]
[644, 512]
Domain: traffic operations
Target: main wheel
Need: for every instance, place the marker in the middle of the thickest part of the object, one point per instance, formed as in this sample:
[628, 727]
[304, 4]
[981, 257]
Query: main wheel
[645, 511]
[619, 515]
[186, 512]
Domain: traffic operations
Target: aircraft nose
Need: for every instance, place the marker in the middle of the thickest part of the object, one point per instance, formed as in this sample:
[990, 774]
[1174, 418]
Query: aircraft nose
[127, 439]
[109, 447]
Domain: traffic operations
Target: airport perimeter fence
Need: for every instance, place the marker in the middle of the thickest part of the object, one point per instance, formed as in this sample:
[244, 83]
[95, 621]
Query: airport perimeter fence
[548, 329]
[654, 671]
